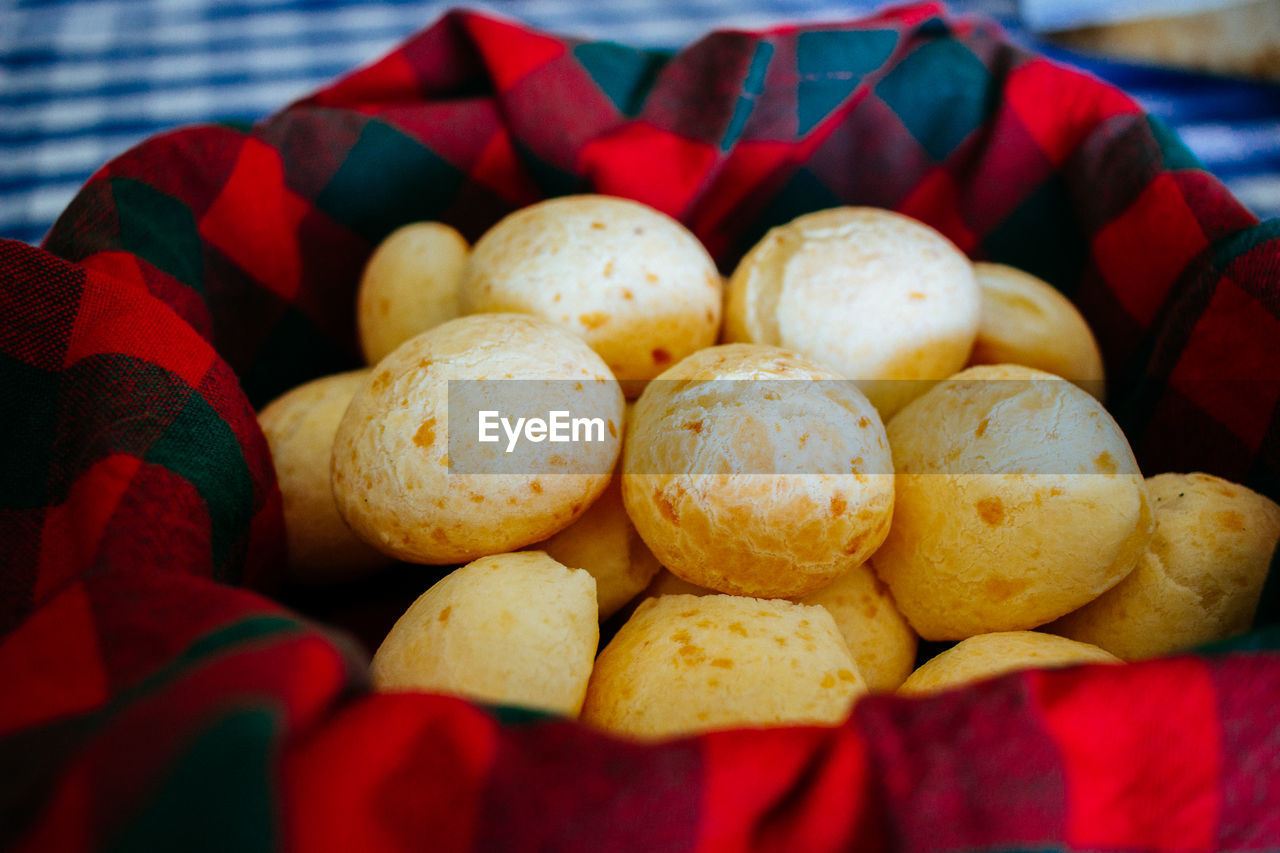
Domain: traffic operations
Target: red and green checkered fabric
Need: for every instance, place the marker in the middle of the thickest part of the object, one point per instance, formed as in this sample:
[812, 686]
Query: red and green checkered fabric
[154, 695]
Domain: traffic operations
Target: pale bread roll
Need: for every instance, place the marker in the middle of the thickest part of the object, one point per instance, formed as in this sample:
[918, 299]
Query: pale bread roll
[409, 285]
[634, 283]
[717, 474]
[391, 472]
[879, 637]
[1201, 576]
[511, 629]
[1026, 321]
[299, 427]
[665, 583]
[604, 543]
[1018, 500]
[988, 655]
[684, 664]
[873, 294]
[882, 643]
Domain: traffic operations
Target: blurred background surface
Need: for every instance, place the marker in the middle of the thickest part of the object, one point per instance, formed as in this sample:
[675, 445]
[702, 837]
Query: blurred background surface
[80, 82]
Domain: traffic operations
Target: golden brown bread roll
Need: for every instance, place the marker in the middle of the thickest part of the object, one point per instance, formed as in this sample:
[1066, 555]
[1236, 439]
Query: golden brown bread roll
[604, 543]
[1201, 576]
[988, 655]
[719, 472]
[1027, 321]
[684, 664]
[879, 297]
[391, 472]
[513, 629]
[409, 284]
[299, 427]
[882, 643]
[665, 583]
[1018, 500]
[634, 283]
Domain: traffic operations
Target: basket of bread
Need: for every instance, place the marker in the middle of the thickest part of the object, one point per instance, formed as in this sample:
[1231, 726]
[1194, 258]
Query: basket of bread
[857, 434]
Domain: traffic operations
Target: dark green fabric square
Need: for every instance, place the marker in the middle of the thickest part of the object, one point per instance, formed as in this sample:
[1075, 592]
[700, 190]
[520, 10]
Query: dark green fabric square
[200, 447]
[1243, 242]
[296, 351]
[752, 86]
[217, 795]
[387, 180]
[159, 229]
[831, 65]
[1268, 614]
[31, 404]
[1175, 154]
[624, 74]
[803, 193]
[941, 92]
[1042, 237]
[553, 181]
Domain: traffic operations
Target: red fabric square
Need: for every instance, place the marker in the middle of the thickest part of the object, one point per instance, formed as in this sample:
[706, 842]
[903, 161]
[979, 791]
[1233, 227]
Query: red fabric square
[871, 157]
[1251, 751]
[740, 179]
[129, 269]
[391, 78]
[450, 129]
[1140, 746]
[1226, 367]
[255, 220]
[119, 265]
[976, 762]
[789, 790]
[116, 320]
[937, 201]
[66, 823]
[1060, 107]
[650, 165]
[499, 168]
[196, 164]
[1144, 250]
[1007, 168]
[510, 51]
[51, 665]
[73, 529]
[423, 760]
[1182, 436]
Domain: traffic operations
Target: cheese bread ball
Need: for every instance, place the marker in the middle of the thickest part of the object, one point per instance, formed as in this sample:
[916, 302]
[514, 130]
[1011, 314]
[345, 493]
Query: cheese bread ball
[410, 284]
[391, 471]
[1027, 321]
[1018, 500]
[665, 583]
[605, 543]
[743, 480]
[511, 629]
[634, 283]
[299, 427]
[882, 643]
[871, 293]
[988, 655]
[684, 664]
[1200, 579]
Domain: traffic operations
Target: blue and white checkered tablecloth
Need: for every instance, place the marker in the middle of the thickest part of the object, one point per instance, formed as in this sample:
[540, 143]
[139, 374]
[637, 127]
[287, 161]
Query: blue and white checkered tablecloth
[80, 82]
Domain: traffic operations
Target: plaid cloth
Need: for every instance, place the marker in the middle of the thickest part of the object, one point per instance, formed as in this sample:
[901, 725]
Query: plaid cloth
[82, 82]
[155, 696]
